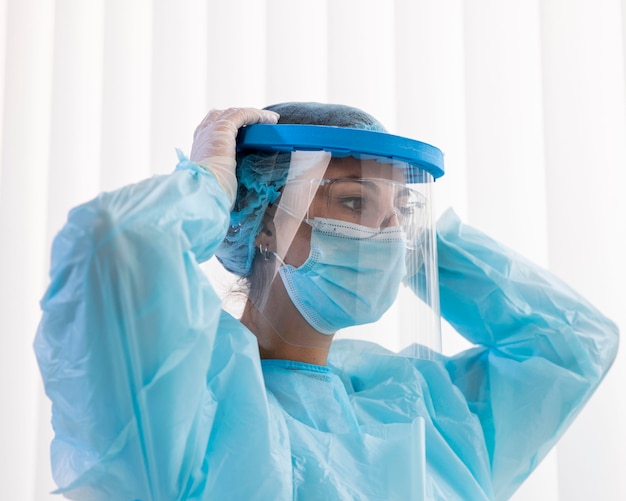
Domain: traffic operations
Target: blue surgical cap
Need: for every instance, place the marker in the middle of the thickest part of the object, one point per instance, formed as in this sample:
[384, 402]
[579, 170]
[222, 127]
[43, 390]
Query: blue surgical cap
[262, 175]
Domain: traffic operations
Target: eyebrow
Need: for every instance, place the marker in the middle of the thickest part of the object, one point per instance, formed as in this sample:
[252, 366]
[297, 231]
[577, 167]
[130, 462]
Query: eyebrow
[365, 182]
[403, 191]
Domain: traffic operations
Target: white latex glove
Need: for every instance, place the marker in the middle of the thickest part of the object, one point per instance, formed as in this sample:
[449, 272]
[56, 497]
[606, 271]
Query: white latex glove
[214, 142]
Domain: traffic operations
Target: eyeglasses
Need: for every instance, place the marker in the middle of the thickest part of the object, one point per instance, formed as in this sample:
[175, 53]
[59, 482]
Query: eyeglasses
[372, 202]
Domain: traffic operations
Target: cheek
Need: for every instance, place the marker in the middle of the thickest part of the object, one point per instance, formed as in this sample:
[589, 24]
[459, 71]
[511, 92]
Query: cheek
[300, 247]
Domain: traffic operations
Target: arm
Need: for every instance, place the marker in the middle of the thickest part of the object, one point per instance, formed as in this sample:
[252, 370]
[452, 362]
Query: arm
[541, 348]
[128, 317]
[128, 331]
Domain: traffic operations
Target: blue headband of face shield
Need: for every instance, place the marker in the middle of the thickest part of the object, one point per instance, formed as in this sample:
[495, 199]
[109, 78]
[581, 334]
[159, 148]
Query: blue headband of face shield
[263, 159]
[341, 141]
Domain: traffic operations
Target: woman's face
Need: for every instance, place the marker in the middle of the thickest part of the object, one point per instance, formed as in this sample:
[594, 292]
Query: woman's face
[361, 194]
[372, 204]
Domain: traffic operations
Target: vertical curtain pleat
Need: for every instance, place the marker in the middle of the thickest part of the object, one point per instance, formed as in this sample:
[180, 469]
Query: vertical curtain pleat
[126, 93]
[297, 51]
[179, 76]
[28, 39]
[585, 136]
[526, 99]
[76, 125]
[430, 88]
[3, 50]
[361, 62]
[237, 58]
[506, 180]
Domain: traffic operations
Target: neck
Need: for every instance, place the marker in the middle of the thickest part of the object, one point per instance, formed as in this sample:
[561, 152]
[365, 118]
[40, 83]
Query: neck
[283, 334]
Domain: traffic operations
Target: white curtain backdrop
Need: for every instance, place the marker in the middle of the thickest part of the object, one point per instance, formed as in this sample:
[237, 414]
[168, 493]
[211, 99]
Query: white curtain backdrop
[526, 99]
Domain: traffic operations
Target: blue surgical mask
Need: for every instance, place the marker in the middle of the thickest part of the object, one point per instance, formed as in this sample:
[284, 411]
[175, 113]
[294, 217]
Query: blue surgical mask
[351, 277]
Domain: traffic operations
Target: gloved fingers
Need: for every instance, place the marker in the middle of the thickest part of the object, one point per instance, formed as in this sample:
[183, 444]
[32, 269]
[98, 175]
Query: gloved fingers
[232, 119]
[210, 143]
[214, 142]
[216, 135]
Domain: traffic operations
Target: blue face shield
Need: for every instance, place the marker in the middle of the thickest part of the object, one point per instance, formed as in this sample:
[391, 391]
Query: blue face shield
[348, 236]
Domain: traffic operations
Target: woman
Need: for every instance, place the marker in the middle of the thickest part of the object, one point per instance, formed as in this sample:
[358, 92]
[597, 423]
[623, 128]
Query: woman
[159, 394]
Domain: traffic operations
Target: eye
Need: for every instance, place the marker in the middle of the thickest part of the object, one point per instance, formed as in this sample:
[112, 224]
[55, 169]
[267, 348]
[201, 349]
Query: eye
[405, 210]
[354, 203]
[408, 207]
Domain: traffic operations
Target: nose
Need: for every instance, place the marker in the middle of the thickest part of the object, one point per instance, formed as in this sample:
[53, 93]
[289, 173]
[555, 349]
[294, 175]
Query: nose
[391, 219]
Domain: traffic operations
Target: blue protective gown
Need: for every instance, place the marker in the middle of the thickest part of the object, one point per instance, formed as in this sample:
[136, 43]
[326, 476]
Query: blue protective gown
[158, 394]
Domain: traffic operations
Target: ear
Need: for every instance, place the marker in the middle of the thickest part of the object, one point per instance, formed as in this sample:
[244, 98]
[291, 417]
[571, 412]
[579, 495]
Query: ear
[266, 238]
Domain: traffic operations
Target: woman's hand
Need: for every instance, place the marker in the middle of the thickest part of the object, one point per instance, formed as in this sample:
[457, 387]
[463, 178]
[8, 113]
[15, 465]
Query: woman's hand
[214, 142]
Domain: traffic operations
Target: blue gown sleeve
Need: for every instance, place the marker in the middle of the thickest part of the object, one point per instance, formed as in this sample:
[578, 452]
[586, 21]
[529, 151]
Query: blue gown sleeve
[541, 349]
[128, 327]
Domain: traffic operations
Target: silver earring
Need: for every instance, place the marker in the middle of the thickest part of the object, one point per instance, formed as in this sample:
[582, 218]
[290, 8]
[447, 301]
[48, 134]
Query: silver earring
[265, 252]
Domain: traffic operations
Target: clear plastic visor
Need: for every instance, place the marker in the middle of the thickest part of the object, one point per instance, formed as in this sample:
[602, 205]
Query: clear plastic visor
[348, 250]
